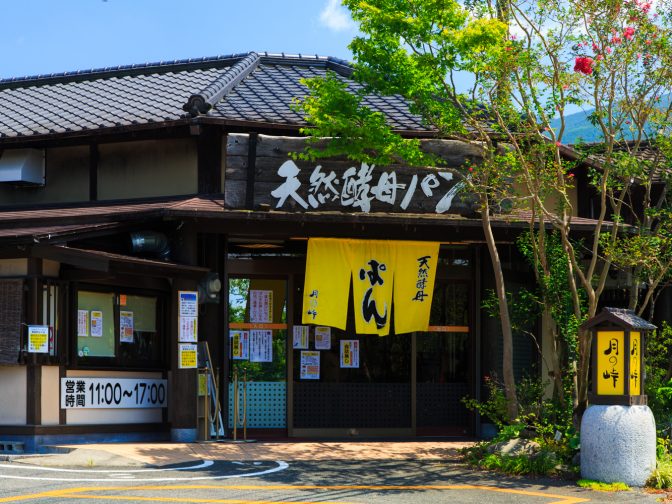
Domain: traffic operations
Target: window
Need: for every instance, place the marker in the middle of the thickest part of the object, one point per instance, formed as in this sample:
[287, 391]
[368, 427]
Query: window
[115, 327]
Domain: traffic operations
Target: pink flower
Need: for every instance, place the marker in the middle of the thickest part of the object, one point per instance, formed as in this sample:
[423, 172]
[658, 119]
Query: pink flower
[570, 175]
[595, 46]
[565, 86]
[628, 32]
[616, 39]
[599, 57]
[558, 144]
[608, 50]
[583, 64]
[648, 42]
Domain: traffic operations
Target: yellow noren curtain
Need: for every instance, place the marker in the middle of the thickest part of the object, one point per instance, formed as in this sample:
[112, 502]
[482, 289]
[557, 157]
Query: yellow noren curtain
[327, 285]
[373, 264]
[381, 270]
[414, 278]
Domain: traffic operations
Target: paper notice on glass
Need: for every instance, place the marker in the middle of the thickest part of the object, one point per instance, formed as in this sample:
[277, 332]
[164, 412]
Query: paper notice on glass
[188, 356]
[322, 338]
[126, 326]
[97, 323]
[82, 323]
[240, 344]
[300, 337]
[188, 303]
[38, 339]
[310, 365]
[188, 329]
[349, 353]
[261, 345]
[261, 306]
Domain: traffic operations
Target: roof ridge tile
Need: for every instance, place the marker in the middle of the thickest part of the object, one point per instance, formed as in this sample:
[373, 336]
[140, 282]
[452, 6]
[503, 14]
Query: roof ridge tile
[202, 102]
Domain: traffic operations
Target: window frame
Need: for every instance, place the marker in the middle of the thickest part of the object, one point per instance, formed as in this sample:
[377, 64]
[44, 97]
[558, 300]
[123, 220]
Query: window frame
[115, 363]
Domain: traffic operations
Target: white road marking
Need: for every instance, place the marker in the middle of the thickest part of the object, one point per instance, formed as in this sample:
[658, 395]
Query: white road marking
[281, 467]
[201, 465]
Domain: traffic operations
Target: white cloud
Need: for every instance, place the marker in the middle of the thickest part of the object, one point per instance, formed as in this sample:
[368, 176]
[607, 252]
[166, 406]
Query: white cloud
[335, 17]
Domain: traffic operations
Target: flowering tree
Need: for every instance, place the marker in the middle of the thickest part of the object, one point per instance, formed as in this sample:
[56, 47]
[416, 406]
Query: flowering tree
[529, 63]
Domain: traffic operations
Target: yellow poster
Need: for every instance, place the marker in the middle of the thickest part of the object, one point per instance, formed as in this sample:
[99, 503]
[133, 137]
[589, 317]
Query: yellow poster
[187, 356]
[327, 284]
[414, 277]
[610, 362]
[635, 362]
[373, 263]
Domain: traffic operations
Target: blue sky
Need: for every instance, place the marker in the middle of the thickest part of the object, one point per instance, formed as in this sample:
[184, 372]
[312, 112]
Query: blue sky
[47, 36]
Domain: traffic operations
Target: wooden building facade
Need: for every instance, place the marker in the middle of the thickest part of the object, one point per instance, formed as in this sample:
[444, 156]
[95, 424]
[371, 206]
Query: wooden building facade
[125, 190]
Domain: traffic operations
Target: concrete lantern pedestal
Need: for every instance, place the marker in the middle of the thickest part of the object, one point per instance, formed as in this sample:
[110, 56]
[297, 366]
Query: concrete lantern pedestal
[618, 443]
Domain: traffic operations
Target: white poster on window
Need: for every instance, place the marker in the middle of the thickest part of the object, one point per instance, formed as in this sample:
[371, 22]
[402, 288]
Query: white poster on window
[349, 353]
[82, 323]
[38, 339]
[240, 344]
[188, 303]
[322, 338]
[261, 345]
[96, 323]
[300, 337]
[261, 306]
[188, 329]
[126, 326]
[310, 365]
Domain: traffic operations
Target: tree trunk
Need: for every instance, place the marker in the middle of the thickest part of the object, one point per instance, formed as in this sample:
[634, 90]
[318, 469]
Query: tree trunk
[507, 337]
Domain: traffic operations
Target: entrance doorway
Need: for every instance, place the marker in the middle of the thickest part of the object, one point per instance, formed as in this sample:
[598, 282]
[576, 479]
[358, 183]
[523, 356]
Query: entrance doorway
[258, 353]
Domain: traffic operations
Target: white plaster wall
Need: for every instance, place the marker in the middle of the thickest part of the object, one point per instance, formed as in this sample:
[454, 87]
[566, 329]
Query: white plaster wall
[111, 415]
[50, 398]
[13, 389]
[13, 267]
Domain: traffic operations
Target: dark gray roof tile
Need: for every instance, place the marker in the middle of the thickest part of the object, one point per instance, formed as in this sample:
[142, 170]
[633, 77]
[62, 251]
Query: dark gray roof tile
[242, 87]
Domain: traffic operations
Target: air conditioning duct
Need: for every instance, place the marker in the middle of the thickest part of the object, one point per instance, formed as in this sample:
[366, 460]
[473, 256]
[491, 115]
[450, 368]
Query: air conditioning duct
[150, 243]
[22, 166]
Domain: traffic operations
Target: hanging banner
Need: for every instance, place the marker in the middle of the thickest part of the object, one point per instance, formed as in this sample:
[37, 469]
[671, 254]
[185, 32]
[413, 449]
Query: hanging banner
[373, 264]
[327, 284]
[414, 276]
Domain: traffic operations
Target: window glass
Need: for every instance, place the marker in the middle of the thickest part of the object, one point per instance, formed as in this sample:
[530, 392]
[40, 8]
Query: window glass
[257, 308]
[95, 324]
[139, 338]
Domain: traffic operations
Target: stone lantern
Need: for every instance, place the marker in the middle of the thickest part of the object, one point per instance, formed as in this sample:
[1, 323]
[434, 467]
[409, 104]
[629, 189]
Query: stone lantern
[618, 431]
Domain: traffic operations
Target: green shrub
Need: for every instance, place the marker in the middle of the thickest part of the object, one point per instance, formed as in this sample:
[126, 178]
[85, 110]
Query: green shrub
[661, 478]
[600, 486]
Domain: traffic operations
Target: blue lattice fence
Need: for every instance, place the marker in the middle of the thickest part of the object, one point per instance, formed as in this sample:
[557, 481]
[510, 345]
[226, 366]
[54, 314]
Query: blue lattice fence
[266, 404]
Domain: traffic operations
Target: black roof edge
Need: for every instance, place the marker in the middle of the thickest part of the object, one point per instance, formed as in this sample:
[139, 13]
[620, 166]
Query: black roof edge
[336, 64]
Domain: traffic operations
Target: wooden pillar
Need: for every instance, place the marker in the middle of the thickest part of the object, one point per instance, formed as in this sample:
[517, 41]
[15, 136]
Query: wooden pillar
[34, 370]
[183, 383]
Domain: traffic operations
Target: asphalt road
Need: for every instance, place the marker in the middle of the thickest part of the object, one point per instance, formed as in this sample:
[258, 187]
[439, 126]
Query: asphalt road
[296, 482]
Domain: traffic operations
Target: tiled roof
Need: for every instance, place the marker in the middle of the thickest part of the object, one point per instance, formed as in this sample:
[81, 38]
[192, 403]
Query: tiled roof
[237, 88]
